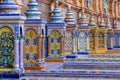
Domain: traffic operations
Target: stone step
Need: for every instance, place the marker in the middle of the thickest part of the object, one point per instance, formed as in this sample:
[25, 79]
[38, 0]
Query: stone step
[50, 65]
[99, 60]
[69, 78]
[92, 65]
[76, 73]
[104, 56]
[91, 68]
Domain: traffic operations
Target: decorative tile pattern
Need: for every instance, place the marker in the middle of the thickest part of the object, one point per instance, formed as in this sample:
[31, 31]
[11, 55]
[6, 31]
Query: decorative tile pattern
[82, 41]
[6, 47]
[69, 43]
[31, 47]
[101, 40]
[55, 44]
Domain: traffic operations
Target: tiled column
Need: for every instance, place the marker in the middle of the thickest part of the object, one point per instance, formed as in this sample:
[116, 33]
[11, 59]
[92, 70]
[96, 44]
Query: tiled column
[16, 55]
[62, 45]
[41, 50]
[74, 47]
[21, 54]
[111, 41]
[49, 44]
[63, 53]
[43, 47]
[105, 38]
[88, 43]
[119, 40]
[96, 41]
